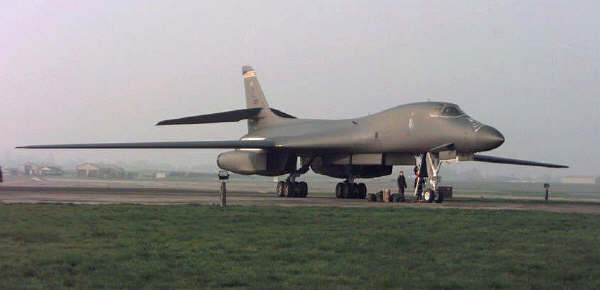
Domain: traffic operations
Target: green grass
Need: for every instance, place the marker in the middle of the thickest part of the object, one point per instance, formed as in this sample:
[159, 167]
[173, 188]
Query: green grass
[190, 246]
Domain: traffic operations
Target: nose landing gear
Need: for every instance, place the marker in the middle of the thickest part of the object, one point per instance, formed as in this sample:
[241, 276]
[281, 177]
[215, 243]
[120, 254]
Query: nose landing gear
[431, 195]
[428, 167]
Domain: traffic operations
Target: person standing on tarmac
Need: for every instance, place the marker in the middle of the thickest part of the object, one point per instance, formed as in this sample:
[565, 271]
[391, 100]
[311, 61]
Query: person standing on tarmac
[416, 171]
[401, 183]
[0, 174]
[418, 186]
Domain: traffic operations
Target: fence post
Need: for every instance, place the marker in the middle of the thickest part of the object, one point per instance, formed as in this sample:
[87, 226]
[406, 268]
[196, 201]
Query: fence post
[223, 193]
[223, 177]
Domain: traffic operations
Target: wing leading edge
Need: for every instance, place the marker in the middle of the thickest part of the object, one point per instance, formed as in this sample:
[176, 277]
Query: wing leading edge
[235, 144]
[492, 159]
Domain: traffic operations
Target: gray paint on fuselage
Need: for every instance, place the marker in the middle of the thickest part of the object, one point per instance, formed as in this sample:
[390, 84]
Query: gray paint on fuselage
[384, 132]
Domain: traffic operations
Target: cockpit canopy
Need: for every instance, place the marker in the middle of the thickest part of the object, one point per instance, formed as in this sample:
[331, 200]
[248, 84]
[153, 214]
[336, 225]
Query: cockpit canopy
[451, 111]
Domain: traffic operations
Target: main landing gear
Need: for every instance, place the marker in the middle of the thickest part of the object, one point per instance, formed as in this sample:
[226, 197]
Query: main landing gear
[291, 188]
[349, 189]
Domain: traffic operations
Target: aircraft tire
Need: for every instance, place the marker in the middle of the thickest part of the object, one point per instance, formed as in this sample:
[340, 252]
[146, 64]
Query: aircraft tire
[302, 189]
[338, 190]
[428, 196]
[297, 189]
[439, 197]
[289, 189]
[279, 188]
[346, 190]
[284, 190]
[353, 191]
[362, 190]
[305, 189]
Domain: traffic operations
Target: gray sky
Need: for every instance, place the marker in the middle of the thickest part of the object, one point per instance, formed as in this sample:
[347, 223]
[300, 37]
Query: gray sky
[106, 71]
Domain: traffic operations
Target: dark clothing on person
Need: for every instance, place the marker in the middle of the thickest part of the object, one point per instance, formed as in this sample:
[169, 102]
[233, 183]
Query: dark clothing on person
[419, 182]
[416, 171]
[401, 183]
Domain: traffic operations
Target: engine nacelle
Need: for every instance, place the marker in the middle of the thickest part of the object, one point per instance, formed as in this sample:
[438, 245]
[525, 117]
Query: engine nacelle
[341, 171]
[257, 161]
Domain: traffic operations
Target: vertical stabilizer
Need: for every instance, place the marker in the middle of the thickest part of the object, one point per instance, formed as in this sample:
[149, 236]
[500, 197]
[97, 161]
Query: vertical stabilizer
[255, 98]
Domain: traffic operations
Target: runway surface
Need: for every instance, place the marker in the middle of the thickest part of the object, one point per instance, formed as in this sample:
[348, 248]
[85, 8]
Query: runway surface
[174, 195]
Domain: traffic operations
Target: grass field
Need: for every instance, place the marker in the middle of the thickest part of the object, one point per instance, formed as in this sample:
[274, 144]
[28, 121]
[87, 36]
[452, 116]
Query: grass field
[190, 246]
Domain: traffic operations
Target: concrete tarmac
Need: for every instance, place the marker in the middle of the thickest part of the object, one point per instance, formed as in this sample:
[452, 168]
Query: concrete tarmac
[176, 195]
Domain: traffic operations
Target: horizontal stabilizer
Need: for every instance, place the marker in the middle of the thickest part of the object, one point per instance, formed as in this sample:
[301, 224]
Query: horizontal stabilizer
[282, 114]
[235, 144]
[492, 159]
[229, 116]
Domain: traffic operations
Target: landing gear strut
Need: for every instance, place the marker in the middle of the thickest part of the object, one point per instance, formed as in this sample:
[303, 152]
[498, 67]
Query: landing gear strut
[349, 189]
[428, 166]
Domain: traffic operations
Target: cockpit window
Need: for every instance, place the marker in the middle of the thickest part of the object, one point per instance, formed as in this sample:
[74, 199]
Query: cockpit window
[452, 111]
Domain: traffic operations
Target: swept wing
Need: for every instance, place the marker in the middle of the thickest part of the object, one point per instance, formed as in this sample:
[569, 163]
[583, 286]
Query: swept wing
[259, 144]
[493, 159]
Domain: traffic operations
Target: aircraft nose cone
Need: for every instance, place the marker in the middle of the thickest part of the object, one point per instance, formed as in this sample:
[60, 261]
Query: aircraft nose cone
[489, 138]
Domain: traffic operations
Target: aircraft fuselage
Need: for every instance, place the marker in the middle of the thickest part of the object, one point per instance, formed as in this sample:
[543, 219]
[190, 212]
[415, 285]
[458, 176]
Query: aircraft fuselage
[407, 128]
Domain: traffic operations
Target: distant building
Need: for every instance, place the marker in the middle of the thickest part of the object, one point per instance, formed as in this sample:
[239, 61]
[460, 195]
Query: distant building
[145, 175]
[579, 179]
[160, 175]
[100, 170]
[50, 171]
[31, 169]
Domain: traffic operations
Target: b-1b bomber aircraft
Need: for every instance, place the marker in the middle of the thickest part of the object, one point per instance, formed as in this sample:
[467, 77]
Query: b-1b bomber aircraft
[423, 134]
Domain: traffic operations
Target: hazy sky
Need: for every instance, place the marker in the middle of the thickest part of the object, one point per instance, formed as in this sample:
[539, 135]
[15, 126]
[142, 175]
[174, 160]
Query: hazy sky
[106, 71]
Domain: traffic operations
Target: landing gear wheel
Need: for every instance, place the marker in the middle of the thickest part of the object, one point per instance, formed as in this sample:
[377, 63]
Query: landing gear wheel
[302, 188]
[347, 190]
[428, 196]
[352, 190]
[279, 188]
[289, 190]
[439, 197]
[362, 191]
[338, 190]
[355, 193]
